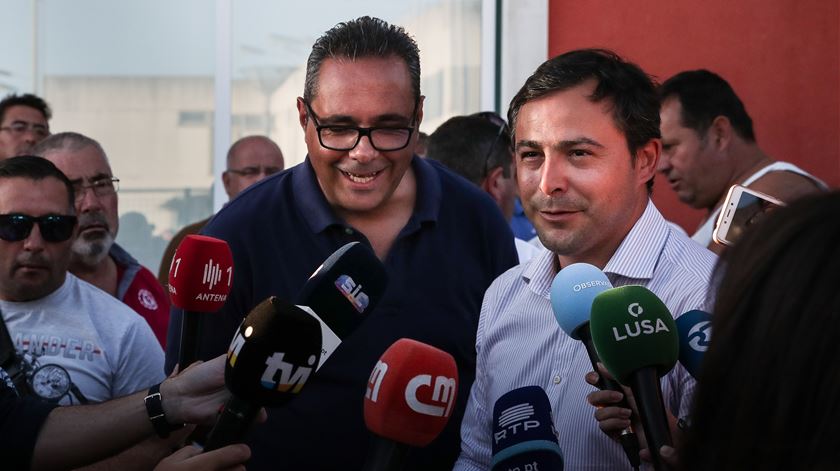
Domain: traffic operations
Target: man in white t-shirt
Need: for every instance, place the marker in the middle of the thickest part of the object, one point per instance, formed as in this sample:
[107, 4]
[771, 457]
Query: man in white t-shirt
[708, 145]
[75, 343]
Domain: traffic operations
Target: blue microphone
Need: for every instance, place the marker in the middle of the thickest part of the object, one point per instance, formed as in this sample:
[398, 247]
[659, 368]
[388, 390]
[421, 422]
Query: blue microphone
[572, 292]
[523, 432]
[695, 331]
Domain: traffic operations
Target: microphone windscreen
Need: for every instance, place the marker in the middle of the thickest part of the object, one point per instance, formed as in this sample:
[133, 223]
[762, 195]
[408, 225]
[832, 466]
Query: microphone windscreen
[572, 292]
[411, 393]
[632, 329]
[273, 353]
[345, 288]
[695, 333]
[201, 274]
[523, 432]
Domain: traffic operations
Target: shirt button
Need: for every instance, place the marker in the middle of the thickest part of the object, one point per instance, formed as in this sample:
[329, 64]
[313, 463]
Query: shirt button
[556, 379]
[348, 231]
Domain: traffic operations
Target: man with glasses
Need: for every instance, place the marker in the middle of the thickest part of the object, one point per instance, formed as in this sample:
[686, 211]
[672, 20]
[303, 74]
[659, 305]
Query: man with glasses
[23, 123]
[249, 160]
[96, 258]
[479, 150]
[441, 240]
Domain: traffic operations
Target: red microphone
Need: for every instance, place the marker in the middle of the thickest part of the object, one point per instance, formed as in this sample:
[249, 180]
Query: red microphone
[200, 277]
[408, 401]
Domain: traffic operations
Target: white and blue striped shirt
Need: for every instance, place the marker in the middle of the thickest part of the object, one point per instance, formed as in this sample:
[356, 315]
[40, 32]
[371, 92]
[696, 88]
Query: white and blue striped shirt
[519, 342]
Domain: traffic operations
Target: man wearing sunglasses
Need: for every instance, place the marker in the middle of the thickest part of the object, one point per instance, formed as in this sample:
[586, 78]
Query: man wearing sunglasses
[442, 242]
[96, 258]
[23, 123]
[77, 344]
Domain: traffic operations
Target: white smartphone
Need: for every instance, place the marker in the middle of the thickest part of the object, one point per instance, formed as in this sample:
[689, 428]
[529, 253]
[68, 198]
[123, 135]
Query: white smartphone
[741, 209]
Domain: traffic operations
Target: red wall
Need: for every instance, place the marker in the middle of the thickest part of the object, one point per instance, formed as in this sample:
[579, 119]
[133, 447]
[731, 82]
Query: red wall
[782, 57]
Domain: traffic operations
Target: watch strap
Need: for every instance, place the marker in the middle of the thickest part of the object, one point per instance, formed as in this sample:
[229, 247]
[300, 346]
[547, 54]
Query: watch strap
[154, 407]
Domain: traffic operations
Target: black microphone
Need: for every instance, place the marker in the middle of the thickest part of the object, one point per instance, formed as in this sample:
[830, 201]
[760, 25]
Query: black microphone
[524, 436]
[342, 292]
[272, 355]
[572, 292]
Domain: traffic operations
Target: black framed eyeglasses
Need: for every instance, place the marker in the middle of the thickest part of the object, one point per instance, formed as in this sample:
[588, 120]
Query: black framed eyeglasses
[382, 138]
[105, 186]
[53, 227]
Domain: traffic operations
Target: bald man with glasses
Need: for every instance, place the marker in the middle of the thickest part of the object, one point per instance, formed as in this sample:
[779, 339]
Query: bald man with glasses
[96, 257]
[249, 160]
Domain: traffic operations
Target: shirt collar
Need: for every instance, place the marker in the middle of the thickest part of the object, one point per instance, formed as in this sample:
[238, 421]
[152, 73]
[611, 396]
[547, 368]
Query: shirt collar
[636, 256]
[319, 215]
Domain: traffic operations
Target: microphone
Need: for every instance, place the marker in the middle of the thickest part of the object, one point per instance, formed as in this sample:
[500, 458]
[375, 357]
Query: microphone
[572, 292]
[523, 432]
[636, 338]
[200, 277]
[342, 292]
[269, 360]
[695, 332]
[408, 400]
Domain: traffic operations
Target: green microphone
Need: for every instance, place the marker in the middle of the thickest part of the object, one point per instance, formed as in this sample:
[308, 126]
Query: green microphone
[636, 339]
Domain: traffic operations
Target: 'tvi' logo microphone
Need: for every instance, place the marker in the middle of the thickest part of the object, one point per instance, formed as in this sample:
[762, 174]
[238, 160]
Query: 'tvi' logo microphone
[212, 274]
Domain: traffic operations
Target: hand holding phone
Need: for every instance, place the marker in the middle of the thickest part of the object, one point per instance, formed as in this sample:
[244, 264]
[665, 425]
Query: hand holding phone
[741, 209]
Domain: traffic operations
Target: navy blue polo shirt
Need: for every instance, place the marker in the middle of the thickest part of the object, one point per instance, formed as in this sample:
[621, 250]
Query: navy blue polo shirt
[281, 229]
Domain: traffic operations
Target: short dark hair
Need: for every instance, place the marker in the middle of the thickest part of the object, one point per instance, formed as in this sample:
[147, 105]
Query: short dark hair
[26, 99]
[363, 37]
[775, 328]
[631, 90]
[471, 146]
[36, 168]
[704, 96]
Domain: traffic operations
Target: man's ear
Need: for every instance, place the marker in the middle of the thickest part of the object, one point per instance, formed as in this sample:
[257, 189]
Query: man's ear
[303, 116]
[226, 182]
[647, 158]
[493, 184]
[720, 132]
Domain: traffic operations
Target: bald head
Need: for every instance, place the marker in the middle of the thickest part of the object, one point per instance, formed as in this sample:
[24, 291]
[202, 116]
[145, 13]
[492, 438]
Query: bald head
[249, 160]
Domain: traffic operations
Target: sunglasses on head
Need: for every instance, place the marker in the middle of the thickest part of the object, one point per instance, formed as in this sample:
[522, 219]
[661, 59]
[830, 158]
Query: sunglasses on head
[54, 228]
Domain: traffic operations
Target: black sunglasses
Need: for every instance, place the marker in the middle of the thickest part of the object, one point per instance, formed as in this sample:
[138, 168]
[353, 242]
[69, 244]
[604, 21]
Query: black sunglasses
[54, 228]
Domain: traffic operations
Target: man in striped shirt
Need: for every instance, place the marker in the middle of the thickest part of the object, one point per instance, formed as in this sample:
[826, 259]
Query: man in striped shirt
[586, 145]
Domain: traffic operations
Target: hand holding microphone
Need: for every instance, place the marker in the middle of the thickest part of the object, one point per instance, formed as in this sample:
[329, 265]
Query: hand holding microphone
[200, 277]
[636, 339]
[409, 398]
[273, 354]
[572, 292]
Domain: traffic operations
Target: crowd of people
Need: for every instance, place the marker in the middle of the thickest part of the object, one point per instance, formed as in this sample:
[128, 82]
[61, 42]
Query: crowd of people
[90, 341]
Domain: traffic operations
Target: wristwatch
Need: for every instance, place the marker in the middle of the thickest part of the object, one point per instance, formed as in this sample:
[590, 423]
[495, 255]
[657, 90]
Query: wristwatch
[154, 407]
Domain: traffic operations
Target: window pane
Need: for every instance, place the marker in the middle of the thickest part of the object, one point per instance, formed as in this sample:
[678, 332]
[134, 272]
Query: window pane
[271, 45]
[137, 77]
